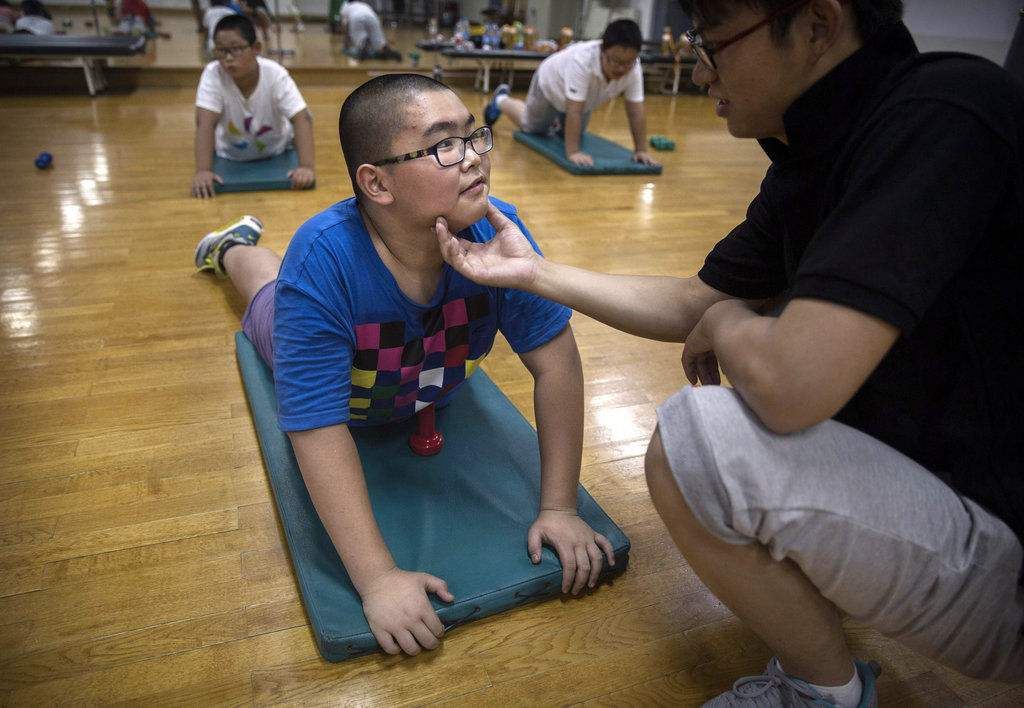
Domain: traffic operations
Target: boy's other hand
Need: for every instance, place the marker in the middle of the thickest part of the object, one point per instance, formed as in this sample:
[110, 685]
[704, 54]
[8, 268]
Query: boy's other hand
[578, 546]
[581, 158]
[507, 260]
[202, 183]
[644, 158]
[400, 615]
[302, 177]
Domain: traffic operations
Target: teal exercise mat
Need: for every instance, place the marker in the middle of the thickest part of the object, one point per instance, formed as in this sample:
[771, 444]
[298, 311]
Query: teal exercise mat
[256, 175]
[609, 158]
[461, 515]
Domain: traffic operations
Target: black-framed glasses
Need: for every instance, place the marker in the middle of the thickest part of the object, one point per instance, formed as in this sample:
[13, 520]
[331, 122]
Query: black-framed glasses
[705, 51]
[450, 151]
[237, 51]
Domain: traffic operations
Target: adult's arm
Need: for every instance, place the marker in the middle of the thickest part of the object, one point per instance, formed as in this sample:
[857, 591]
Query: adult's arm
[656, 307]
[794, 370]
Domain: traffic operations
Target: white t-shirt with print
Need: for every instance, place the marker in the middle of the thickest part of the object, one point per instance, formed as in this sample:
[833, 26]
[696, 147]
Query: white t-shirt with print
[574, 73]
[256, 127]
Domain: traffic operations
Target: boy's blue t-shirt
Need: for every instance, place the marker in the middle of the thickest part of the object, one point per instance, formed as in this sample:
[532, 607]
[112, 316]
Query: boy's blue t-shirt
[350, 347]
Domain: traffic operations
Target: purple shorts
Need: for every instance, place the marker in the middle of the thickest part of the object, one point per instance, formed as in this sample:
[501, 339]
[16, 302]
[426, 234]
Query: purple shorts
[258, 322]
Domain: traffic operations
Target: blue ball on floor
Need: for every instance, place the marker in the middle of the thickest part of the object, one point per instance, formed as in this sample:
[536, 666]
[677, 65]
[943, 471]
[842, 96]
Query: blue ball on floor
[44, 160]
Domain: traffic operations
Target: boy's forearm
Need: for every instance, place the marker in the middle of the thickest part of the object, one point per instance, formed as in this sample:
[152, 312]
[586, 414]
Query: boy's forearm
[303, 123]
[204, 148]
[334, 478]
[558, 406]
[573, 132]
[637, 124]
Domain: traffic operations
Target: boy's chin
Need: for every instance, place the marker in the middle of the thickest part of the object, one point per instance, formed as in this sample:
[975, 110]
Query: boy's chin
[467, 216]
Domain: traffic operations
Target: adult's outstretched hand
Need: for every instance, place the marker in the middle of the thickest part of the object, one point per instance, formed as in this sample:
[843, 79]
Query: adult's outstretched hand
[506, 261]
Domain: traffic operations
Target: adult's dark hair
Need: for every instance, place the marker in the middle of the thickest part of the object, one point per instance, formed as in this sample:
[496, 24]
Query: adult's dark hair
[34, 8]
[872, 15]
[374, 114]
[239, 23]
[622, 33]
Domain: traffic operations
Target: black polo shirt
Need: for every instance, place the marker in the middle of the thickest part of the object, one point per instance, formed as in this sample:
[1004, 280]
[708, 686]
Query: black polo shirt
[901, 195]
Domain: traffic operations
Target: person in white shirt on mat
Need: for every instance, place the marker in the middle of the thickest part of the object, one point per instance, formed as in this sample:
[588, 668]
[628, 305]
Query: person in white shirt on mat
[570, 84]
[364, 34]
[248, 108]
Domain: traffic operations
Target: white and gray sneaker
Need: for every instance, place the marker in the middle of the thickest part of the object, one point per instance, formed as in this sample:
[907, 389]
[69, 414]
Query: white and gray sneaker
[246, 231]
[775, 689]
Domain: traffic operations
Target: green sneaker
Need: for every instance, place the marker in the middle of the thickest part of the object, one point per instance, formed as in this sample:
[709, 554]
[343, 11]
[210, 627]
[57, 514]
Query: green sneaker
[246, 231]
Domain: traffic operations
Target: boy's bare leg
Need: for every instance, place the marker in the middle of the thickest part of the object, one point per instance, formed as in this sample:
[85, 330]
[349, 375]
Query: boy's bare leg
[250, 268]
[515, 109]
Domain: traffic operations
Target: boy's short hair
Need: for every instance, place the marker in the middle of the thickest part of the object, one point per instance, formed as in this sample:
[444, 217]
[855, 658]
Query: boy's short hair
[872, 15]
[622, 33]
[239, 23]
[374, 114]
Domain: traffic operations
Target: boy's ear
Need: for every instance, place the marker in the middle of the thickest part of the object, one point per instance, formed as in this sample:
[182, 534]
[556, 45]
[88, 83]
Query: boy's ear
[374, 183]
[257, 47]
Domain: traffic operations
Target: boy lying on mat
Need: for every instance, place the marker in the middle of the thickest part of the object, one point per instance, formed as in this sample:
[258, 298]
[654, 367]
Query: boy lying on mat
[363, 300]
[248, 108]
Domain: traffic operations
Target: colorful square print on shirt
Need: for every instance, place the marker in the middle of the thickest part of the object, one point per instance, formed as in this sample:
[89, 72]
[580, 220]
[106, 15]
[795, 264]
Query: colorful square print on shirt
[400, 368]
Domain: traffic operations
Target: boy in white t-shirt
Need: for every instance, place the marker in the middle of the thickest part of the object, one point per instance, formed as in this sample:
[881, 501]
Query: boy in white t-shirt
[248, 108]
[571, 83]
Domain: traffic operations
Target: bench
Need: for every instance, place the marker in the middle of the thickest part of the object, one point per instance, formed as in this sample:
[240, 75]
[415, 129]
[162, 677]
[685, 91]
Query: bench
[91, 51]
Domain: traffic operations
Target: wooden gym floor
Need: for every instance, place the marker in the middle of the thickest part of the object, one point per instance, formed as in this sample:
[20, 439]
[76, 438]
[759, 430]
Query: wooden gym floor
[140, 554]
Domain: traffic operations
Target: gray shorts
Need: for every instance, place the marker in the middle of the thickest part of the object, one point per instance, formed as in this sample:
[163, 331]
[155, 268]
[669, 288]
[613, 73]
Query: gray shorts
[881, 537]
[541, 116]
[258, 322]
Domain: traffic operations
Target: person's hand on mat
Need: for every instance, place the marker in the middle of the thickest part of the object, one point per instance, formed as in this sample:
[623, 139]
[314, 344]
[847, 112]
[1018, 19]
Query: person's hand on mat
[644, 158]
[202, 183]
[302, 177]
[400, 615]
[581, 550]
[699, 361]
[581, 158]
[507, 260]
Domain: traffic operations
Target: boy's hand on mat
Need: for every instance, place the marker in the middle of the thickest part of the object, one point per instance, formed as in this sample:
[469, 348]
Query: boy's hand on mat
[581, 158]
[400, 615]
[644, 158]
[302, 177]
[202, 183]
[578, 546]
[507, 260]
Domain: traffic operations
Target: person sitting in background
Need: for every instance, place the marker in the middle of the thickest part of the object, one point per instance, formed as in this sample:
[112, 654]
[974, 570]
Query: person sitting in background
[134, 17]
[34, 19]
[218, 10]
[248, 108]
[259, 13]
[364, 34]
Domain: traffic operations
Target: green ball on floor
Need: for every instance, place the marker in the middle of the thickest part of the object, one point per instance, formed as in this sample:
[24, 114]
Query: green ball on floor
[660, 142]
